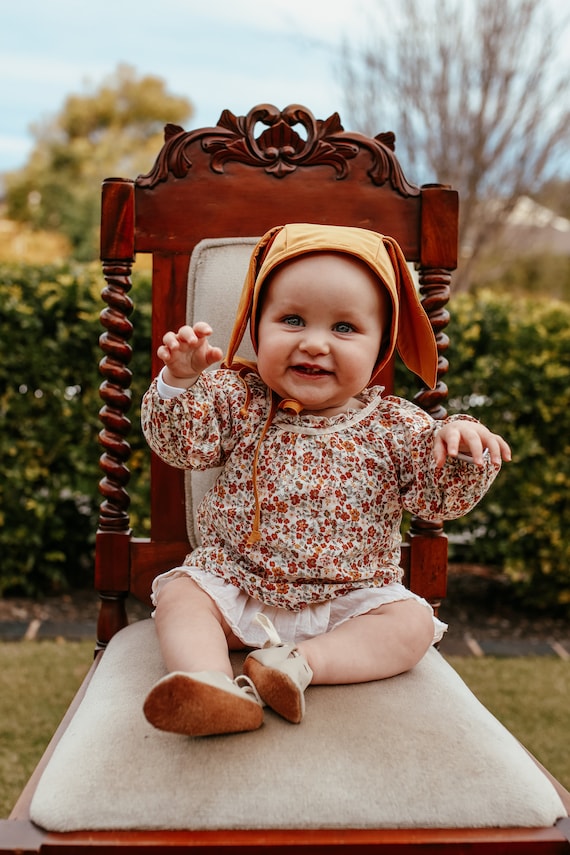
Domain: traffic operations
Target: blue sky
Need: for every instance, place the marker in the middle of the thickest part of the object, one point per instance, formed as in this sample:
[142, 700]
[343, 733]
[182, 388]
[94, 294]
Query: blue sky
[227, 53]
[231, 54]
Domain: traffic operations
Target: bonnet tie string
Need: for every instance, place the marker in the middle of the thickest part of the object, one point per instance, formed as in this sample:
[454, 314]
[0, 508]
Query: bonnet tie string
[288, 405]
[255, 535]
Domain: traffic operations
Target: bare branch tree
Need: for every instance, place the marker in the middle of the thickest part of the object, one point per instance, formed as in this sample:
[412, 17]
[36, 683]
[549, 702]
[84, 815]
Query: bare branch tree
[477, 92]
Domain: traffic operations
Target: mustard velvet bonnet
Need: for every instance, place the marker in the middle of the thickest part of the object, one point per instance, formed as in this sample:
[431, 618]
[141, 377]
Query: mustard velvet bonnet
[411, 332]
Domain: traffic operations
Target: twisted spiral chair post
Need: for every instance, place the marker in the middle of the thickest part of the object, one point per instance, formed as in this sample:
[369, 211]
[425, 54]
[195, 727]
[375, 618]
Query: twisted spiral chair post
[114, 533]
[435, 292]
[115, 393]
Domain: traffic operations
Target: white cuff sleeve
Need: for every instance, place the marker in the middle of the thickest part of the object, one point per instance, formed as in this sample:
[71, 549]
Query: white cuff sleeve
[166, 391]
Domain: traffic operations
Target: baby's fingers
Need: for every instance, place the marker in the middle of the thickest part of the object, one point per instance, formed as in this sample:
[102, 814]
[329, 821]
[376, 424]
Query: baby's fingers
[454, 439]
[483, 440]
[201, 329]
[210, 354]
[175, 341]
[439, 451]
[469, 438]
[499, 449]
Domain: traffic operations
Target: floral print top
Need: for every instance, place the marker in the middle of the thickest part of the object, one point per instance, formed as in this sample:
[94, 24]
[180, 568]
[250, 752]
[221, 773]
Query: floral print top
[331, 491]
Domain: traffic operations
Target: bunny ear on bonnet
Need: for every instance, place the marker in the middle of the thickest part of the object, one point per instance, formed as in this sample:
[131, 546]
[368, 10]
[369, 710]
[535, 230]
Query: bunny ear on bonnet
[413, 335]
[411, 332]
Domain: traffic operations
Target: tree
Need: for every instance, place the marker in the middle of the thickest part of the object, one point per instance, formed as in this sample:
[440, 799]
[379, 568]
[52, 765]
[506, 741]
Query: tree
[555, 194]
[115, 129]
[477, 92]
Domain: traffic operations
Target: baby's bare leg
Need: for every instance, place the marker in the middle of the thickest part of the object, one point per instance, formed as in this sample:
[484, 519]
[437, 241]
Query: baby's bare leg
[192, 633]
[386, 641]
[198, 697]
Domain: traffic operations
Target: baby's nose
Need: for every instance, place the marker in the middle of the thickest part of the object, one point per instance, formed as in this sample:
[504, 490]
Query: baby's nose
[315, 342]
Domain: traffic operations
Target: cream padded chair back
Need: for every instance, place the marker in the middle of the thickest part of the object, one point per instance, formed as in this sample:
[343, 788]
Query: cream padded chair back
[215, 279]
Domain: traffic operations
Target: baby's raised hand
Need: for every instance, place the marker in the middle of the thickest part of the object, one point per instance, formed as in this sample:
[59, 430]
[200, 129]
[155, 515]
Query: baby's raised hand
[187, 353]
[463, 436]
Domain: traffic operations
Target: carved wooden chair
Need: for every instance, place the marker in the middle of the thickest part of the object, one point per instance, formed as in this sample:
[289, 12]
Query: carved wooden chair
[411, 762]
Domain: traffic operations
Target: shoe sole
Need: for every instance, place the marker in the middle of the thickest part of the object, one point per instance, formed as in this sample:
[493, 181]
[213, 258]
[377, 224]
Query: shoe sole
[277, 690]
[186, 706]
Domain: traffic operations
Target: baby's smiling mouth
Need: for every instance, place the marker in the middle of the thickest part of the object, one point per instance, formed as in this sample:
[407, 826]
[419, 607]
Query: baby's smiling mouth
[311, 370]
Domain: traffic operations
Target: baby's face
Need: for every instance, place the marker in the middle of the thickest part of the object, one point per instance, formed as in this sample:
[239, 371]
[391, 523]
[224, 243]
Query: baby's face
[320, 331]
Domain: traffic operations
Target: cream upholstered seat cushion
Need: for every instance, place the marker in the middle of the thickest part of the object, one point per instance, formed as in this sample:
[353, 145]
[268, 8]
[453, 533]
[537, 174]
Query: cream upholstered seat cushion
[414, 751]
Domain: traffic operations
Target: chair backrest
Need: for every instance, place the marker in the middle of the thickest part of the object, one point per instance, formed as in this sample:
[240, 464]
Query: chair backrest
[209, 195]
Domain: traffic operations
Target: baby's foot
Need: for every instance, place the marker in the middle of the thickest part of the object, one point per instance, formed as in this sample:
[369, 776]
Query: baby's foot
[203, 704]
[280, 674]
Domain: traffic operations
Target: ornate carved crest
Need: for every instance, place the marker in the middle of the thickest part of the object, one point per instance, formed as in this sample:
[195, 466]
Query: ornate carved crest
[279, 149]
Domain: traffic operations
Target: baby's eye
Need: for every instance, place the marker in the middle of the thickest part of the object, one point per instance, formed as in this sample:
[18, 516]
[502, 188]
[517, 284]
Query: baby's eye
[343, 327]
[293, 321]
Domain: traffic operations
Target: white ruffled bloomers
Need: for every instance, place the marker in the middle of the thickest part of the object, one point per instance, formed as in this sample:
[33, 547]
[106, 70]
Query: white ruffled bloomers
[240, 610]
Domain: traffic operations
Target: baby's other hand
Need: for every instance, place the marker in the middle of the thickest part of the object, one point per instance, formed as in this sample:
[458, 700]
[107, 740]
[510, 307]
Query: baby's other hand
[463, 436]
[187, 353]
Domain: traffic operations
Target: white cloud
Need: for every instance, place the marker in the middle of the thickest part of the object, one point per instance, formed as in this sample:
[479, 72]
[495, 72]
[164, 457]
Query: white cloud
[220, 55]
[224, 55]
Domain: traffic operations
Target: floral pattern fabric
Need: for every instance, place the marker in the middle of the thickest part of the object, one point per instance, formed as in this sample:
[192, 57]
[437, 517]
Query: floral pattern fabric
[331, 491]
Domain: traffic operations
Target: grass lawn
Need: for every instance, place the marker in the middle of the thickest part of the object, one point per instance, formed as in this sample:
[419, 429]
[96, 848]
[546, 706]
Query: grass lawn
[38, 680]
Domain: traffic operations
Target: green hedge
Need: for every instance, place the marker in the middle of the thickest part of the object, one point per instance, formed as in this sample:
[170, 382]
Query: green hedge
[510, 367]
[49, 403]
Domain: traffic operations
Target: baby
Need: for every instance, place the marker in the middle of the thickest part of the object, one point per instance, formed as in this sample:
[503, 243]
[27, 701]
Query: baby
[301, 532]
